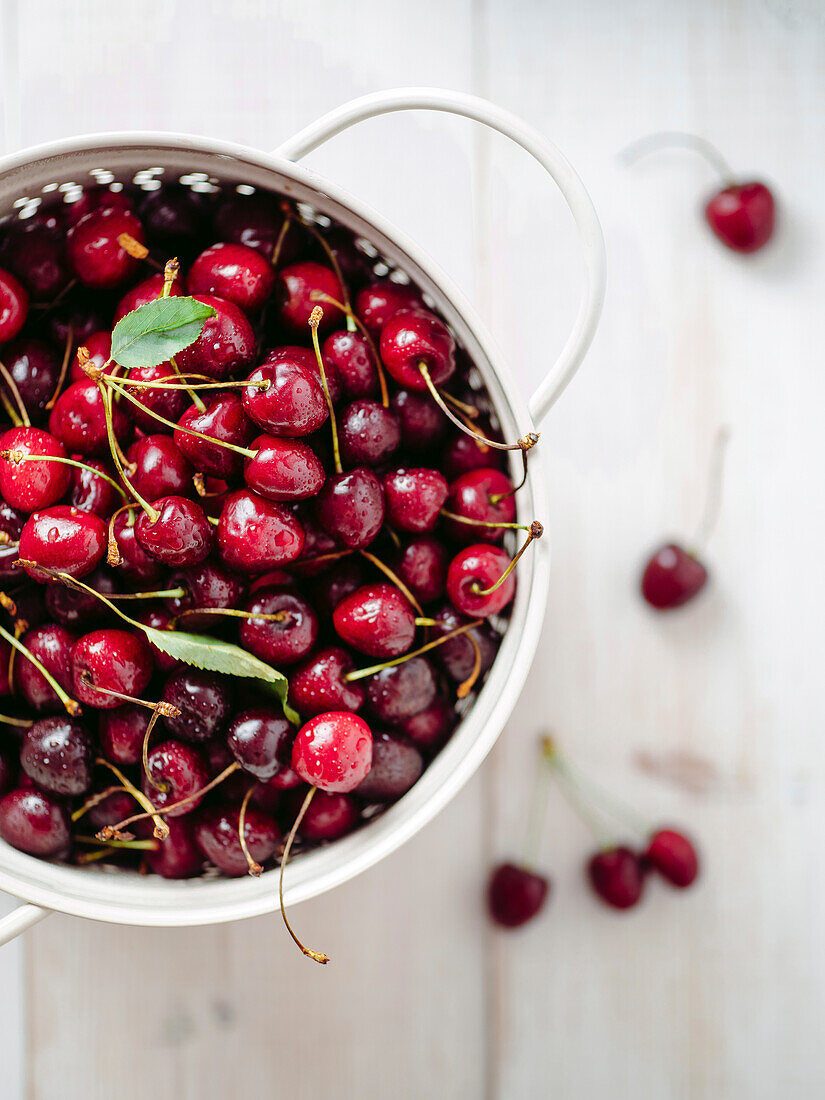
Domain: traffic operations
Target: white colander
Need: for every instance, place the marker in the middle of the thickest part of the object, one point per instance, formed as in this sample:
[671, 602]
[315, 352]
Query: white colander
[29, 177]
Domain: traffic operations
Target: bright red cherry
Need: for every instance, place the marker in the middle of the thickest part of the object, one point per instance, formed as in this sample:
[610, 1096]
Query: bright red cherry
[412, 337]
[300, 288]
[484, 496]
[672, 577]
[375, 304]
[742, 216]
[515, 895]
[256, 535]
[233, 272]
[64, 539]
[321, 684]
[414, 498]
[115, 660]
[376, 619]
[472, 572]
[293, 404]
[157, 468]
[349, 356]
[95, 253]
[283, 469]
[52, 645]
[78, 420]
[673, 856]
[333, 751]
[224, 419]
[616, 875]
[218, 837]
[350, 507]
[226, 345]
[35, 822]
[181, 772]
[422, 566]
[180, 535]
[32, 485]
[143, 293]
[14, 306]
[166, 402]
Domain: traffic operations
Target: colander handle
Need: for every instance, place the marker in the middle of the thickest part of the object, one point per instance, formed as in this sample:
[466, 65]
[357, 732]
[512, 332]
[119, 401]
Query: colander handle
[20, 920]
[548, 156]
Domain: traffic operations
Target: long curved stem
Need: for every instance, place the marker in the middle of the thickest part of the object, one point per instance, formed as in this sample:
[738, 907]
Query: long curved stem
[314, 321]
[318, 956]
[526, 443]
[653, 142]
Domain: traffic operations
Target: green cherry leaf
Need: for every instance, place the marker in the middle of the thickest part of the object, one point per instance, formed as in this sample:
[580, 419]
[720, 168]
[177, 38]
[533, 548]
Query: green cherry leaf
[154, 332]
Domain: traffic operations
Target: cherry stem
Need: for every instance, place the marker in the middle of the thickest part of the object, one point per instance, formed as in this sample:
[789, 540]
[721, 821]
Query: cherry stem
[20, 456]
[23, 723]
[654, 142]
[106, 397]
[469, 410]
[318, 956]
[209, 384]
[161, 830]
[113, 830]
[314, 321]
[526, 443]
[361, 673]
[233, 612]
[133, 845]
[133, 247]
[73, 582]
[112, 550]
[422, 620]
[536, 531]
[64, 366]
[95, 800]
[71, 705]
[161, 594]
[466, 686]
[497, 498]
[15, 392]
[279, 242]
[11, 412]
[713, 499]
[166, 709]
[399, 584]
[483, 523]
[573, 793]
[538, 811]
[255, 869]
[336, 267]
[161, 786]
[359, 324]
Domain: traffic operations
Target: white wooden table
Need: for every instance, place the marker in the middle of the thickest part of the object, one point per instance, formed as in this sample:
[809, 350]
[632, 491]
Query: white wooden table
[712, 719]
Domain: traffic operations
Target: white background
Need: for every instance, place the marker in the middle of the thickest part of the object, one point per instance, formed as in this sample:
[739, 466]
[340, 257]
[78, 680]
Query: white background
[712, 718]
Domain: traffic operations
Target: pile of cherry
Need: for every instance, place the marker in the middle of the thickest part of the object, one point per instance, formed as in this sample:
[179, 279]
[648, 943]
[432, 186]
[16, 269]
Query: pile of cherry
[282, 474]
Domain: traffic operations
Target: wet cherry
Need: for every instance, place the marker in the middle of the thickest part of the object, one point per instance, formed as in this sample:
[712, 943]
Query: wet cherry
[412, 338]
[95, 253]
[113, 660]
[333, 751]
[62, 538]
[320, 683]
[179, 535]
[35, 822]
[260, 739]
[233, 272]
[57, 753]
[256, 535]
[32, 485]
[376, 619]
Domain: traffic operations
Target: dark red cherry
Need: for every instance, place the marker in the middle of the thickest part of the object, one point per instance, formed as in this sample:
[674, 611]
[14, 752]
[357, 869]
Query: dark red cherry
[233, 272]
[414, 498]
[283, 469]
[11, 524]
[8, 772]
[226, 345]
[224, 419]
[178, 856]
[742, 216]
[355, 265]
[458, 656]
[515, 895]
[204, 700]
[376, 619]
[78, 319]
[31, 604]
[181, 534]
[218, 837]
[113, 809]
[256, 535]
[333, 585]
[349, 356]
[320, 683]
[260, 739]
[122, 731]
[464, 453]
[279, 642]
[36, 255]
[165, 402]
[350, 507]
[52, 645]
[78, 420]
[91, 493]
[484, 496]
[94, 251]
[431, 727]
[333, 751]
[64, 539]
[78, 610]
[328, 816]
[422, 566]
[180, 770]
[395, 694]
[375, 304]
[255, 221]
[423, 424]
[14, 306]
[300, 288]
[144, 293]
[32, 485]
[617, 877]
[35, 369]
[472, 572]
[172, 215]
[113, 659]
[396, 766]
[294, 402]
[207, 585]
[97, 198]
[414, 337]
[672, 577]
[673, 856]
[99, 347]
[136, 565]
[160, 619]
[368, 433]
[35, 822]
[57, 753]
[157, 468]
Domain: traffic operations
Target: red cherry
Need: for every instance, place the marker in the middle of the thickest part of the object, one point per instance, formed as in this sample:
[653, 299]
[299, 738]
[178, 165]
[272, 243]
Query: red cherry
[474, 570]
[76, 609]
[369, 434]
[94, 251]
[113, 659]
[397, 693]
[515, 895]
[333, 751]
[14, 306]
[296, 290]
[78, 420]
[328, 816]
[157, 468]
[35, 822]
[35, 369]
[180, 535]
[122, 731]
[32, 485]
[260, 740]
[464, 453]
[223, 419]
[293, 404]
[742, 216]
[376, 619]
[616, 876]
[64, 539]
[375, 304]
[422, 566]
[97, 198]
[423, 424]
[320, 683]
[350, 507]
[160, 620]
[279, 642]
[283, 469]
[673, 856]
[256, 535]
[233, 272]
[217, 835]
[34, 252]
[52, 645]
[348, 356]
[255, 221]
[483, 496]
[414, 337]
[136, 565]
[57, 753]
[206, 585]
[145, 292]
[672, 577]
[178, 856]
[166, 402]
[431, 727]
[91, 493]
[99, 347]
[414, 498]
[179, 770]
[226, 345]
[396, 766]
